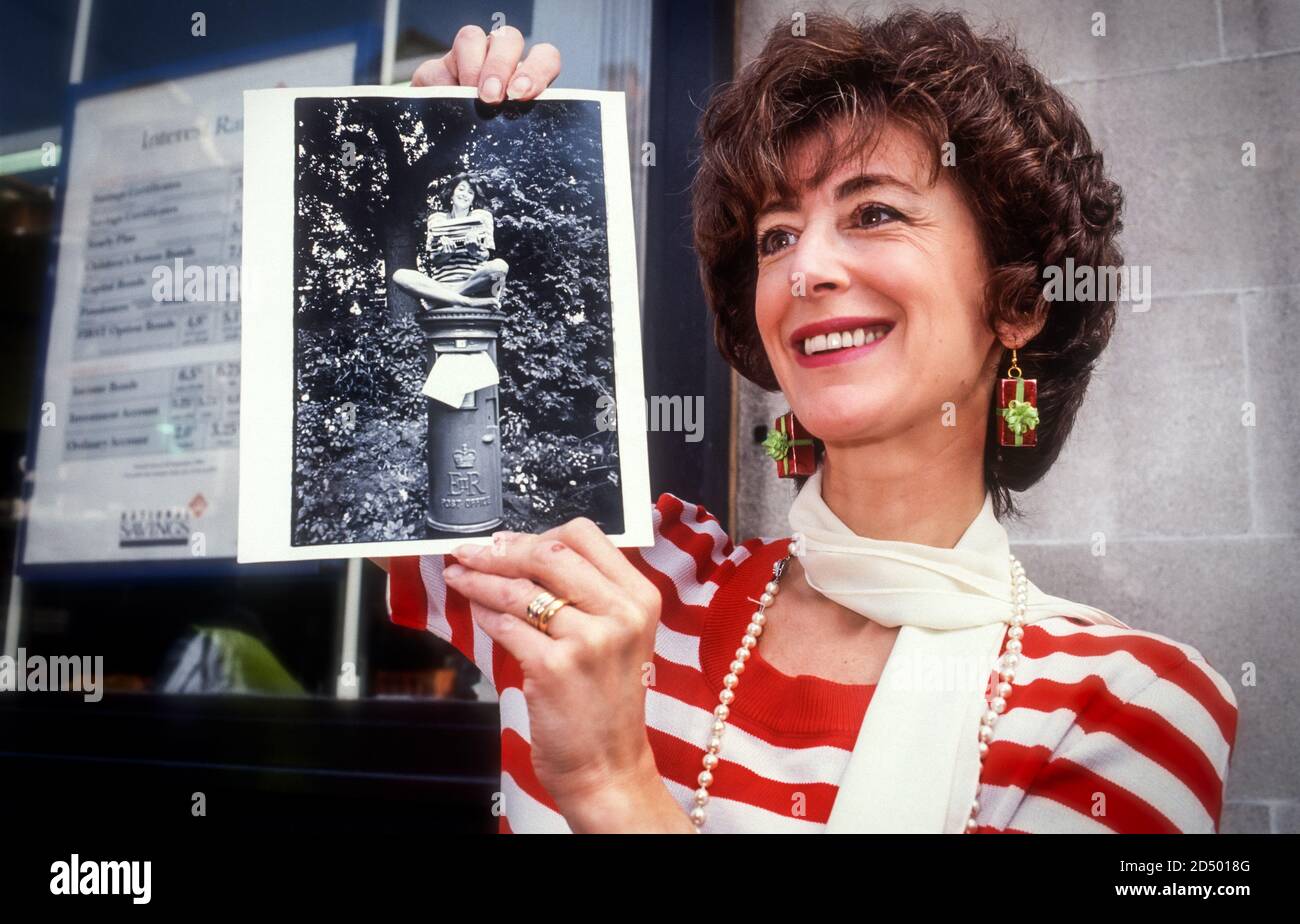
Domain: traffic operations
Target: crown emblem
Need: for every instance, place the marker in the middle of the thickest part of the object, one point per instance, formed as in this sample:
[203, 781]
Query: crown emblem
[464, 456]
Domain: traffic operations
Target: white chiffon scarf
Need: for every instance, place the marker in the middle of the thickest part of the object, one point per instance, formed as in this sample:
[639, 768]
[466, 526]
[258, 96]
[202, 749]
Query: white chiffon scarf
[915, 765]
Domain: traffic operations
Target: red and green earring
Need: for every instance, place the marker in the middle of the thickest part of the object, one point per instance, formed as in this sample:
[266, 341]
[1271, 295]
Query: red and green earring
[791, 446]
[1017, 408]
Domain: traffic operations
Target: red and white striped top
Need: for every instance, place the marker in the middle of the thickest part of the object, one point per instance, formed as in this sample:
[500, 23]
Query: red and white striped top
[1107, 730]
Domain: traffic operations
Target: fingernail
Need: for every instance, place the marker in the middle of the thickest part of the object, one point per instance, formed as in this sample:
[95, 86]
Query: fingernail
[491, 91]
[519, 86]
[467, 551]
[453, 571]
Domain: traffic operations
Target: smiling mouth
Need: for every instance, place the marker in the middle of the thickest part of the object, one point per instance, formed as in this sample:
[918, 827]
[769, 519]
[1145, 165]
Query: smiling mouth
[843, 340]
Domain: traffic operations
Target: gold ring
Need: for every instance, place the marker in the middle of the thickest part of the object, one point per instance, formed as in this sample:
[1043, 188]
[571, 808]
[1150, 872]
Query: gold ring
[542, 608]
[544, 621]
[539, 603]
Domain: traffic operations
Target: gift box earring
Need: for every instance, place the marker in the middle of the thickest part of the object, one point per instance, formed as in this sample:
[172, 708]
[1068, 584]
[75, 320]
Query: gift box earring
[791, 446]
[1017, 408]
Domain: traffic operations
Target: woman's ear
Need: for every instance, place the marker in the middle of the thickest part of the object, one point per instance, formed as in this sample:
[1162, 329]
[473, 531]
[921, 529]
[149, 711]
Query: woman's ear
[1015, 334]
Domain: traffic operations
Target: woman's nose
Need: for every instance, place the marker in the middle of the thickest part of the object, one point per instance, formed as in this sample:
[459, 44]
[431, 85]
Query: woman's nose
[818, 267]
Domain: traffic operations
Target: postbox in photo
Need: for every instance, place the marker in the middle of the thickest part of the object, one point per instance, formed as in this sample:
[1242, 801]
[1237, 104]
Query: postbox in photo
[464, 442]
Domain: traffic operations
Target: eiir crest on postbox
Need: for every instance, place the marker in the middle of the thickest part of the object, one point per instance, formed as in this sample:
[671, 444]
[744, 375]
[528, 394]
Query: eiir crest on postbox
[439, 301]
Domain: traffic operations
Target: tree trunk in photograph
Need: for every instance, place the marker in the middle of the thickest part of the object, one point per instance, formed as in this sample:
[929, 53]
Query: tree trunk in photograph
[400, 214]
[399, 252]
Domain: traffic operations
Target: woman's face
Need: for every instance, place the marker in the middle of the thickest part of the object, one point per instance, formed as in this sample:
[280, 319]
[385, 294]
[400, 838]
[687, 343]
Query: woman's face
[874, 248]
[462, 195]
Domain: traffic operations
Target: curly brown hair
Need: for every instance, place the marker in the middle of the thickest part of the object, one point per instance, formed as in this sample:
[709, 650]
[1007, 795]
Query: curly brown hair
[1024, 162]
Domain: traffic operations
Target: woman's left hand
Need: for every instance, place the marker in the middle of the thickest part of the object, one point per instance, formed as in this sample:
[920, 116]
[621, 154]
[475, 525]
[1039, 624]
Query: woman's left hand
[584, 682]
[492, 62]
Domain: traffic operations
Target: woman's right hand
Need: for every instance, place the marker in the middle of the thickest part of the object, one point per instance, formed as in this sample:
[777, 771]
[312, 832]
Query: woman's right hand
[585, 679]
[491, 62]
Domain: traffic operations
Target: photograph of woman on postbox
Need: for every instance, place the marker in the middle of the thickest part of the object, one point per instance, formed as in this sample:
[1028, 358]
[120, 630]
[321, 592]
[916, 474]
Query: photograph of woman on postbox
[874, 202]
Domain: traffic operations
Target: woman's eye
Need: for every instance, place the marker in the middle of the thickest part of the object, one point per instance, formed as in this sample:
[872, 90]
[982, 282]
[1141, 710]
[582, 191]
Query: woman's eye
[888, 213]
[769, 242]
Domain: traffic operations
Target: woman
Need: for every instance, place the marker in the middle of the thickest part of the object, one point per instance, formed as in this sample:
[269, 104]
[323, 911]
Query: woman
[458, 243]
[873, 206]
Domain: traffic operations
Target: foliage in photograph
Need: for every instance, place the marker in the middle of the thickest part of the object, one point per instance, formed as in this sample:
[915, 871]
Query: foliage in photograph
[364, 172]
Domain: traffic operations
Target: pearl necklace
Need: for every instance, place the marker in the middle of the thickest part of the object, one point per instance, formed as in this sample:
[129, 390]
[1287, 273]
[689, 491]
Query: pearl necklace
[997, 704]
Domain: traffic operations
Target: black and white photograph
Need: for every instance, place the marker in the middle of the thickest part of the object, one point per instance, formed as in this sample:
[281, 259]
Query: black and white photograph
[452, 311]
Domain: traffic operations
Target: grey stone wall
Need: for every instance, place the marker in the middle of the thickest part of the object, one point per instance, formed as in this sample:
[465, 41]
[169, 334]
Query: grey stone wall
[1199, 512]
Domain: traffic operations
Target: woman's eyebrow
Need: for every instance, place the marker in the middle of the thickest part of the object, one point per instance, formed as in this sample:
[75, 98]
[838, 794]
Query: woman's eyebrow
[850, 187]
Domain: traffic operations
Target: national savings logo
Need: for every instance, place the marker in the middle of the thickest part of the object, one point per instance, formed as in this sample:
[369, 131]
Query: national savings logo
[161, 526]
